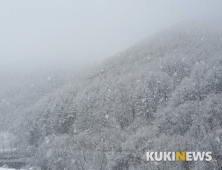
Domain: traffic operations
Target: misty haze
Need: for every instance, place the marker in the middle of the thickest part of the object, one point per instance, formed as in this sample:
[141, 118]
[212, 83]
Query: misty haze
[95, 85]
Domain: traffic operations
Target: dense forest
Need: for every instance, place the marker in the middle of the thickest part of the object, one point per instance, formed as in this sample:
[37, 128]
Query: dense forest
[161, 94]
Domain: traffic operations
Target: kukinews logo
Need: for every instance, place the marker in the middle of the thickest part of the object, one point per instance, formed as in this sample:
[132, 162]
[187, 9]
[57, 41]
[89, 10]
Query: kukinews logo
[177, 156]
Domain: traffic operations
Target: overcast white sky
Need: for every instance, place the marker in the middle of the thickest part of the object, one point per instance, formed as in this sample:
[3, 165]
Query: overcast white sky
[83, 31]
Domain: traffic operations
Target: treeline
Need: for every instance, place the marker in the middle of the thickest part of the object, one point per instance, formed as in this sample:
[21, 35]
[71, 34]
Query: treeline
[163, 94]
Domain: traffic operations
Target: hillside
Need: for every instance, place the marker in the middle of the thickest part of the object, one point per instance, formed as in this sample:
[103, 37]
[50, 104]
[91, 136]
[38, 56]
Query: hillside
[21, 89]
[163, 93]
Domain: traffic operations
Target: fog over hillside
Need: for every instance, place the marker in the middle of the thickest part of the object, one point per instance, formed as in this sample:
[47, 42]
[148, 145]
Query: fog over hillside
[95, 85]
[163, 93]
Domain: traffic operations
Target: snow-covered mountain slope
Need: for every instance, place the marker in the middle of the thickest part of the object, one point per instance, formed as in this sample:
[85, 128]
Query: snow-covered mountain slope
[162, 93]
